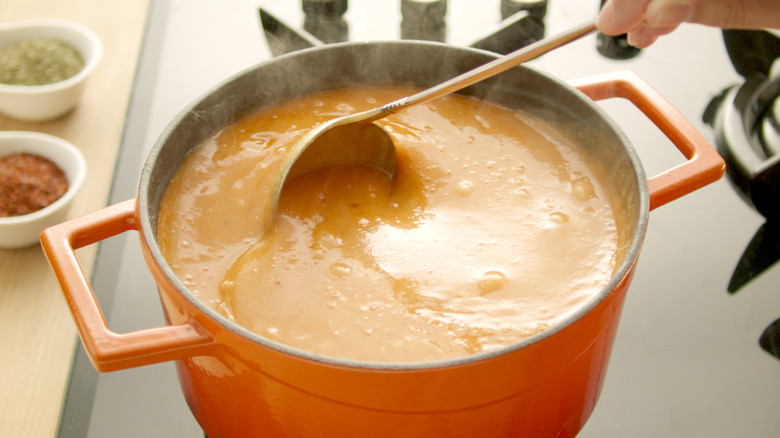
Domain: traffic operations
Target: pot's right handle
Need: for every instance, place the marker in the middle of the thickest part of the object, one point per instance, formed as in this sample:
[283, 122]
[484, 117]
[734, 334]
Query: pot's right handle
[703, 166]
[110, 351]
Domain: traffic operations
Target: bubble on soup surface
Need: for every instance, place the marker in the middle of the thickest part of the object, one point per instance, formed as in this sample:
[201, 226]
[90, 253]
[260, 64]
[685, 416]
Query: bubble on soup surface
[227, 287]
[559, 218]
[541, 326]
[328, 241]
[340, 269]
[464, 188]
[583, 189]
[522, 192]
[491, 281]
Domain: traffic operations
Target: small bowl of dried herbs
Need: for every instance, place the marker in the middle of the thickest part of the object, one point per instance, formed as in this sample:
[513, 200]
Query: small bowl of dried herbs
[43, 67]
[40, 175]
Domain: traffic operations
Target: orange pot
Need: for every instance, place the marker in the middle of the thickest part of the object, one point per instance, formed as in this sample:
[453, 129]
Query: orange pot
[238, 383]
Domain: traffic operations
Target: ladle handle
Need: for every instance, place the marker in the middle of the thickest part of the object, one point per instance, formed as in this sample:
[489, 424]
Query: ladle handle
[703, 165]
[500, 65]
[110, 351]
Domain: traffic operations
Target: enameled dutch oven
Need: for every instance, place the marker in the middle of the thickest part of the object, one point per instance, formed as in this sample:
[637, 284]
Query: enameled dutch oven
[238, 383]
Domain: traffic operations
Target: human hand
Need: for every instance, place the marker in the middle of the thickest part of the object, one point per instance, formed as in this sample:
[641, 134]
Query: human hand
[645, 20]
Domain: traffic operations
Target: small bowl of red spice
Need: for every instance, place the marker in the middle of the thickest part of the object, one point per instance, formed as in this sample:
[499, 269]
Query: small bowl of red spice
[44, 65]
[39, 176]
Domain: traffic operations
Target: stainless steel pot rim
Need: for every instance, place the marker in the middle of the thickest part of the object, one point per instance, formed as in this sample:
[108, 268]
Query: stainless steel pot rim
[148, 226]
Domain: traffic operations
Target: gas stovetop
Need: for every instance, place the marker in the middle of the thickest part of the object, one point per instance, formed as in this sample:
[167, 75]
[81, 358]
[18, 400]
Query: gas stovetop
[690, 358]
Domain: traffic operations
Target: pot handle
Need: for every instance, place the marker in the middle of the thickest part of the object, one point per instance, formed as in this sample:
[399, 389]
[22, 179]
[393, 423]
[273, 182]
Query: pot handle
[110, 351]
[703, 166]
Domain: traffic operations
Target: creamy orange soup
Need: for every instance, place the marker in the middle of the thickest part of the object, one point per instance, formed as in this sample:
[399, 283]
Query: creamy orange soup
[495, 228]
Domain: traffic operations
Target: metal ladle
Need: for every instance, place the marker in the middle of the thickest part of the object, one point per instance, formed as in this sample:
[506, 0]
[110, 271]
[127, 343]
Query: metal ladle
[354, 139]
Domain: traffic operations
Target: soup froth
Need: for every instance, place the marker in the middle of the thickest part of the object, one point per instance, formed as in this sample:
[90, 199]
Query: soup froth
[495, 227]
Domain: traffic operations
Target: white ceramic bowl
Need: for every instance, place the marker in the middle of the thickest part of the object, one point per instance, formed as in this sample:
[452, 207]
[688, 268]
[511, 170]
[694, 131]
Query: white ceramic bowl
[23, 231]
[37, 103]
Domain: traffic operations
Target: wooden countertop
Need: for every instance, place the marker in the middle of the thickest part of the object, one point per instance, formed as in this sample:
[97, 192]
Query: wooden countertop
[37, 332]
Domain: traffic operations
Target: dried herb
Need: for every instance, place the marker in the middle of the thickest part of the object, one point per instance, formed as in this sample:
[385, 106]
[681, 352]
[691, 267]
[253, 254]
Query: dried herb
[38, 61]
[28, 183]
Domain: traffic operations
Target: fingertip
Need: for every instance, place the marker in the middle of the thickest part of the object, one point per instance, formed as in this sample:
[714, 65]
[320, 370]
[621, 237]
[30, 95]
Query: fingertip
[606, 19]
[641, 38]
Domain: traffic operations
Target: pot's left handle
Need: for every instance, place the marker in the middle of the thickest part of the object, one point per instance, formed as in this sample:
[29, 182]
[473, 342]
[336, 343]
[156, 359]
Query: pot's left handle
[110, 351]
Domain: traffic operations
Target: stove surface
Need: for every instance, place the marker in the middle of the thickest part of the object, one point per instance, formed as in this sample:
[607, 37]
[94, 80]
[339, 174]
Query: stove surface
[687, 359]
